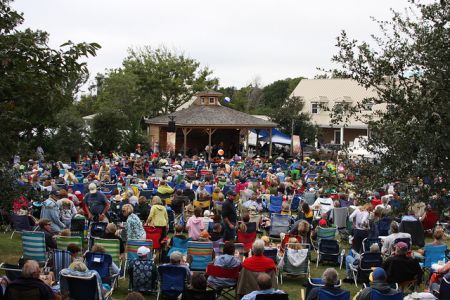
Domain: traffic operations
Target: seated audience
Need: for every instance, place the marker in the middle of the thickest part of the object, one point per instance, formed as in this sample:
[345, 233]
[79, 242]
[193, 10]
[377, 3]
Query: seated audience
[354, 258]
[111, 234]
[29, 279]
[176, 259]
[401, 268]
[45, 226]
[378, 282]
[79, 269]
[258, 262]
[227, 260]
[330, 279]
[388, 242]
[265, 287]
[141, 277]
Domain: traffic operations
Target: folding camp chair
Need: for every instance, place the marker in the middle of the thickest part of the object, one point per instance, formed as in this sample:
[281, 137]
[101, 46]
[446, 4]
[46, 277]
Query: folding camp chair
[323, 233]
[329, 250]
[112, 247]
[272, 297]
[140, 272]
[61, 260]
[101, 262]
[279, 224]
[239, 247]
[78, 226]
[172, 281]
[384, 226]
[444, 288]
[433, 254]
[340, 217]
[275, 204]
[132, 248]
[63, 241]
[33, 243]
[82, 288]
[20, 223]
[154, 234]
[367, 242]
[247, 238]
[179, 244]
[377, 295]
[317, 282]
[200, 254]
[271, 253]
[14, 292]
[327, 295]
[300, 256]
[147, 194]
[96, 230]
[367, 262]
[414, 228]
[13, 272]
[228, 291]
[295, 202]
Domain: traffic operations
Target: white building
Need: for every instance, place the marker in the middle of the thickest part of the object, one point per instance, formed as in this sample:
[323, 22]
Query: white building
[321, 95]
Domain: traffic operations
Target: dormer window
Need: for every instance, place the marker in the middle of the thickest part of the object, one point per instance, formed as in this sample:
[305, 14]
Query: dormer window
[212, 100]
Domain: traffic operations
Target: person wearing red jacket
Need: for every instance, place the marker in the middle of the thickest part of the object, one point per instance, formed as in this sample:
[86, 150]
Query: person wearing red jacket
[258, 262]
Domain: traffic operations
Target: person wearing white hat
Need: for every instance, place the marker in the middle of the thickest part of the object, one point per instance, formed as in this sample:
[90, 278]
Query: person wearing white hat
[142, 271]
[96, 204]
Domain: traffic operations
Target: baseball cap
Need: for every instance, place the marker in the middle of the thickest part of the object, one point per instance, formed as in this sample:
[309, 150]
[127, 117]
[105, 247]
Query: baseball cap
[378, 274]
[323, 222]
[402, 245]
[92, 188]
[142, 251]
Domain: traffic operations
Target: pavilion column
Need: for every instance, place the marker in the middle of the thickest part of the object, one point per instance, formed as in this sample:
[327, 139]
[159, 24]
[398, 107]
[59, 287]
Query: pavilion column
[270, 142]
[186, 131]
[342, 135]
[210, 132]
[257, 140]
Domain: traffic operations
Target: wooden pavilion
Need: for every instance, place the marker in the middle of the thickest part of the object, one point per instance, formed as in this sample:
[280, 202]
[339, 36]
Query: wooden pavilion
[203, 124]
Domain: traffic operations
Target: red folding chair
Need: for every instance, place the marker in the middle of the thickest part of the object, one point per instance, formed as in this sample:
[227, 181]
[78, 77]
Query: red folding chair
[247, 238]
[154, 234]
[227, 292]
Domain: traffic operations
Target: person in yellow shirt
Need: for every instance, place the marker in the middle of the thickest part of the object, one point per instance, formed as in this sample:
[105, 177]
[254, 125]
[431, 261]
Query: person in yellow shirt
[158, 216]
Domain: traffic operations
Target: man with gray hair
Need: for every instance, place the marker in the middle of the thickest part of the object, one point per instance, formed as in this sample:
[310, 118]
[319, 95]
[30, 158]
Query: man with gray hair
[330, 279]
[176, 259]
[258, 262]
[265, 287]
[28, 281]
[388, 242]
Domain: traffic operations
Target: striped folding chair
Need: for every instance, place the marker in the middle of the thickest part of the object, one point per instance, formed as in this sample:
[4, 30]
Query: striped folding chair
[132, 248]
[112, 247]
[63, 241]
[61, 260]
[201, 255]
[33, 244]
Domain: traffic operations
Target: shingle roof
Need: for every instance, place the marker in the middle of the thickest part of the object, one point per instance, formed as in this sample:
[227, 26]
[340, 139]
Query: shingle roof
[212, 115]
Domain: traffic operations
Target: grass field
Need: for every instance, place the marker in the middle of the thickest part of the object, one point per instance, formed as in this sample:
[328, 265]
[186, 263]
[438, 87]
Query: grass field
[11, 249]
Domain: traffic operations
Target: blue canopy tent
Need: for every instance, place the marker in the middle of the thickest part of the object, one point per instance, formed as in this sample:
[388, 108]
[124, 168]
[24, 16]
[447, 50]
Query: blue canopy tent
[277, 136]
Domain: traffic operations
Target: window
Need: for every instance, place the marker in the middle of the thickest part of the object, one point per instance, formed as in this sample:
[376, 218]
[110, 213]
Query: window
[315, 107]
[212, 100]
[202, 100]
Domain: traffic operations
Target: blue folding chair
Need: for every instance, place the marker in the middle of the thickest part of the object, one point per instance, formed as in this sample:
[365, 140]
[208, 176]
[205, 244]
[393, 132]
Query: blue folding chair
[433, 254]
[317, 282]
[20, 223]
[367, 242]
[327, 295]
[367, 263]
[279, 224]
[209, 189]
[146, 193]
[82, 287]
[61, 260]
[444, 288]
[295, 202]
[101, 262]
[180, 245]
[377, 295]
[172, 281]
[275, 204]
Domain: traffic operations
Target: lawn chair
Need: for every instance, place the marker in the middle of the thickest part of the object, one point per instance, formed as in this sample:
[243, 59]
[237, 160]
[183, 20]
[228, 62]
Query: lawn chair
[228, 291]
[96, 230]
[384, 226]
[317, 282]
[295, 262]
[433, 254]
[201, 255]
[239, 247]
[112, 247]
[377, 295]
[78, 226]
[14, 292]
[61, 260]
[275, 204]
[154, 234]
[33, 243]
[82, 288]
[367, 263]
[101, 262]
[367, 242]
[180, 245]
[63, 241]
[271, 253]
[327, 295]
[172, 281]
[247, 238]
[414, 228]
[20, 223]
[133, 246]
[279, 224]
[140, 272]
[13, 272]
[295, 203]
[147, 194]
[444, 288]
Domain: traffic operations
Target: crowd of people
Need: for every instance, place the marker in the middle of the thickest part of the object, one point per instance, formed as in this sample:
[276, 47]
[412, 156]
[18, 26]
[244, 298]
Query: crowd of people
[190, 198]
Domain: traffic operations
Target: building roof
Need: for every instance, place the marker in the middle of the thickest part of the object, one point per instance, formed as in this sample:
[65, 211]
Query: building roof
[212, 116]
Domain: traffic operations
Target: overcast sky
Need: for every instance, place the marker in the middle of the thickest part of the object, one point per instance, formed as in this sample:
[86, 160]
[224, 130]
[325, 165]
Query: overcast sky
[238, 40]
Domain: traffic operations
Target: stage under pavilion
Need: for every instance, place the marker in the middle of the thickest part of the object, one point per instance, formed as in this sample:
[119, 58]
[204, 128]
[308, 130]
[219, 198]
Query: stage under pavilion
[205, 125]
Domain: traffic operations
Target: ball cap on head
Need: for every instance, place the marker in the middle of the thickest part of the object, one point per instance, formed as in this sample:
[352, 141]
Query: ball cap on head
[143, 251]
[92, 188]
[378, 274]
[231, 193]
[401, 245]
[323, 222]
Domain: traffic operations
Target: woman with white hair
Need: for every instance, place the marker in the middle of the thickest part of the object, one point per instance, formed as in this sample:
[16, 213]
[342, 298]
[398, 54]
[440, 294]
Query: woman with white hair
[135, 230]
[258, 262]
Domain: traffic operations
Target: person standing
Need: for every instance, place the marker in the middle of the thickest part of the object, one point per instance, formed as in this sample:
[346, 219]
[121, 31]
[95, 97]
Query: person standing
[50, 211]
[229, 217]
[96, 204]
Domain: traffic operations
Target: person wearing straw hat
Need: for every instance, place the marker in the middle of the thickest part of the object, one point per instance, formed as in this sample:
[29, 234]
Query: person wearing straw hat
[378, 282]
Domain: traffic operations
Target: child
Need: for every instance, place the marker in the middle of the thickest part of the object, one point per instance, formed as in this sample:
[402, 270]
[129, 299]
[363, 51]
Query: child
[204, 236]
[217, 232]
[195, 224]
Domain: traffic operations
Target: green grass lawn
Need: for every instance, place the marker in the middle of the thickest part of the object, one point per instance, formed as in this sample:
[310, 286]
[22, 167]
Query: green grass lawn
[11, 249]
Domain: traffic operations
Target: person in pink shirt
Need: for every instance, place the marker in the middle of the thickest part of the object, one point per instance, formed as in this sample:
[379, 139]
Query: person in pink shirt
[195, 224]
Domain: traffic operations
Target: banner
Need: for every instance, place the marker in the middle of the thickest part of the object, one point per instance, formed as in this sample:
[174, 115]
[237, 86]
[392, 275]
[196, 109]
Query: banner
[296, 147]
[171, 139]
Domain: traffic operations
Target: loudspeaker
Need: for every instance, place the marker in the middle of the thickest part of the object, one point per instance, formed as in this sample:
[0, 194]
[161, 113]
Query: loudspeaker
[171, 127]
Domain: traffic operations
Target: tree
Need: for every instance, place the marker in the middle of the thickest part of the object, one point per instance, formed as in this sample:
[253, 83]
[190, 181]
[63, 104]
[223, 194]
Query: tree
[409, 68]
[36, 81]
[107, 132]
[277, 92]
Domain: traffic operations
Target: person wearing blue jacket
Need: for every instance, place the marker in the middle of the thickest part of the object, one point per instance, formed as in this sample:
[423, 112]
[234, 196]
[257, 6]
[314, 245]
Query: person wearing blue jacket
[50, 211]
